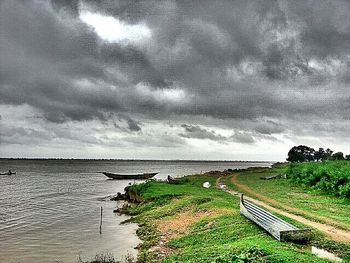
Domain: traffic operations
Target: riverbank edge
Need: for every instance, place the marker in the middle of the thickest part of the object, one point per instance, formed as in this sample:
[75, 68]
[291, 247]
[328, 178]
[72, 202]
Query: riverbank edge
[148, 232]
[131, 199]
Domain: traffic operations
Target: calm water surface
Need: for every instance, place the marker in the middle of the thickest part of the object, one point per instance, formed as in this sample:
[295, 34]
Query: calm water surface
[50, 210]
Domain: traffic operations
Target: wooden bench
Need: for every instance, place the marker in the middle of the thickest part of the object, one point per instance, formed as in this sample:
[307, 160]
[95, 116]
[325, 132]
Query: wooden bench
[277, 227]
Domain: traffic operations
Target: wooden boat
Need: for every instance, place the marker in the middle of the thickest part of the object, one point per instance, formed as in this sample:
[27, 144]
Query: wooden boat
[8, 173]
[172, 180]
[278, 228]
[278, 176]
[142, 176]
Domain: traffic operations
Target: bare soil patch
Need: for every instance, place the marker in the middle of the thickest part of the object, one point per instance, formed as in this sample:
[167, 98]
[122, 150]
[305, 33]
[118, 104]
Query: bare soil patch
[180, 225]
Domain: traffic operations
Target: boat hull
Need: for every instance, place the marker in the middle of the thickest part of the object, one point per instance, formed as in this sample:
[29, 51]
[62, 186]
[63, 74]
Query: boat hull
[278, 228]
[7, 173]
[129, 176]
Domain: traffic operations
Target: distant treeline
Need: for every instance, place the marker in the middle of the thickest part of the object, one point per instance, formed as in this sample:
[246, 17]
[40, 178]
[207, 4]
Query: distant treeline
[303, 153]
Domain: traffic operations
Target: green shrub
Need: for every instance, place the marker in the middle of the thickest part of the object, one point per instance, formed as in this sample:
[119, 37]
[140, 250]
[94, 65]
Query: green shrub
[344, 190]
[332, 177]
[252, 254]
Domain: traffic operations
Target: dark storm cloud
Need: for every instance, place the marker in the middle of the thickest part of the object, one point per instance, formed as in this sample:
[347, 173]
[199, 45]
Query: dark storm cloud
[269, 127]
[71, 6]
[132, 125]
[244, 62]
[21, 135]
[242, 137]
[133, 61]
[325, 26]
[197, 132]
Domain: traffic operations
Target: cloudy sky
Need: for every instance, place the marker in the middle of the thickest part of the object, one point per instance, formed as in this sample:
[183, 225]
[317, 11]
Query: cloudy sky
[233, 80]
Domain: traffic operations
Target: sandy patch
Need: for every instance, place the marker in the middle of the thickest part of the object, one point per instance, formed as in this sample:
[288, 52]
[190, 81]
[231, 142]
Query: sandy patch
[180, 225]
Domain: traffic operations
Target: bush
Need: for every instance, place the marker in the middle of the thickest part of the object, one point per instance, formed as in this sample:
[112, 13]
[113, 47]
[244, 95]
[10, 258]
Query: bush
[344, 190]
[332, 177]
[252, 254]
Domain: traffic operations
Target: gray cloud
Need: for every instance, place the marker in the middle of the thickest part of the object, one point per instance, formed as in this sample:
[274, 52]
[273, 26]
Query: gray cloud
[242, 137]
[197, 132]
[269, 127]
[259, 68]
[132, 125]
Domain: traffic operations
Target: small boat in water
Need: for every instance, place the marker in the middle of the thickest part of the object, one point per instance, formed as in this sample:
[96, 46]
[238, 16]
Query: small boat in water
[142, 176]
[8, 173]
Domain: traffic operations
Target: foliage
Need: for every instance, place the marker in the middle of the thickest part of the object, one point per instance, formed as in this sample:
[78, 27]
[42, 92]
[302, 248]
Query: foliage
[322, 155]
[333, 177]
[338, 156]
[252, 254]
[301, 153]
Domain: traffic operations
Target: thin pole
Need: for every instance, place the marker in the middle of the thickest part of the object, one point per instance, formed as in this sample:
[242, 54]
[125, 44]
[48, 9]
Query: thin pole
[101, 221]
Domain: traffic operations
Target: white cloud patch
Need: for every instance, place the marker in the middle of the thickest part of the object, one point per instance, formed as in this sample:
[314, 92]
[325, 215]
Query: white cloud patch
[174, 95]
[114, 30]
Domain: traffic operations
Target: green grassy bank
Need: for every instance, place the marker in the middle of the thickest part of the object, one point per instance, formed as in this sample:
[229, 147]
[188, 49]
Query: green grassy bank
[293, 194]
[299, 198]
[189, 223]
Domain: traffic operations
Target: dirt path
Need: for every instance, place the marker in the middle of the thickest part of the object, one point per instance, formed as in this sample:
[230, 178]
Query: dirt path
[333, 232]
[288, 208]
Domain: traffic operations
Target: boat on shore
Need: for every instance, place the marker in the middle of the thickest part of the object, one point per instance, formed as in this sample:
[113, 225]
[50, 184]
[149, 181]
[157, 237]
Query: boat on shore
[278, 228]
[142, 176]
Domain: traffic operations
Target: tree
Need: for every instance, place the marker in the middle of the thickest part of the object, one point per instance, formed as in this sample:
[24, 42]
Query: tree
[347, 157]
[320, 155]
[301, 153]
[338, 156]
[328, 154]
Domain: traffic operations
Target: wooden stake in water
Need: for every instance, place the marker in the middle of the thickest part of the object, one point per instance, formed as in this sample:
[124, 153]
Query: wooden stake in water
[101, 221]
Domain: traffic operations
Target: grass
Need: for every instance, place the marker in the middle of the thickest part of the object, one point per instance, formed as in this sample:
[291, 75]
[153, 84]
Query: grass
[311, 203]
[291, 194]
[106, 257]
[188, 223]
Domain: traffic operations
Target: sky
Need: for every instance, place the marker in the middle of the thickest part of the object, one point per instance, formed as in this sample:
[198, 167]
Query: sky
[203, 80]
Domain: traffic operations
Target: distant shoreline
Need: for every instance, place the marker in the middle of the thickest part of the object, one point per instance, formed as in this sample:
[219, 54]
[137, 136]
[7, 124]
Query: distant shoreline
[136, 160]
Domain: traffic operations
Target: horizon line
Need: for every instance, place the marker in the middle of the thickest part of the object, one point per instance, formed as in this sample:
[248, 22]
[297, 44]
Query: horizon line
[131, 159]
